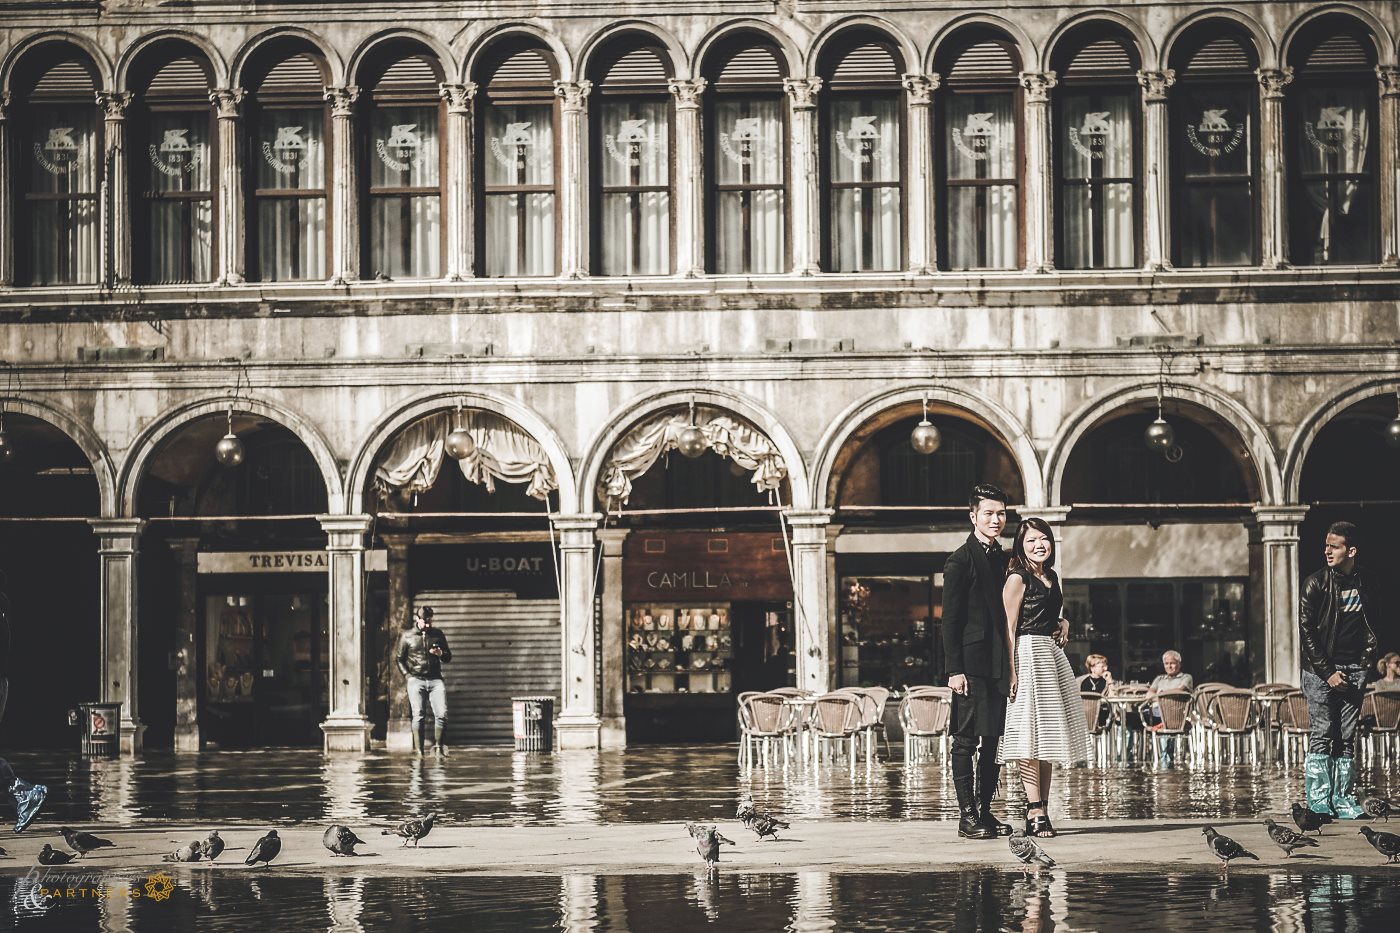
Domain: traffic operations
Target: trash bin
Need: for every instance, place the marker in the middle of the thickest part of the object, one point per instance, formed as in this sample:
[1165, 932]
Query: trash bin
[534, 723]
[102, 733]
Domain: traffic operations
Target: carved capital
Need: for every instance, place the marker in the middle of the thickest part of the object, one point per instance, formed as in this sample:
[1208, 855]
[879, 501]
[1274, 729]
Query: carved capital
[459, 97]
[342, 100]
[687, 93]
[1155, 85]
[803, 92]
[1272, 81]
[1038, 85]
[226, 101]
[573, 95]
[1389, 77]
[113, 104]
[921, 88]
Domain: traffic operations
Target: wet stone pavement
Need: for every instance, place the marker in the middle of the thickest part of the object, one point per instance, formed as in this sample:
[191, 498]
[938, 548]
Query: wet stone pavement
[627, 799]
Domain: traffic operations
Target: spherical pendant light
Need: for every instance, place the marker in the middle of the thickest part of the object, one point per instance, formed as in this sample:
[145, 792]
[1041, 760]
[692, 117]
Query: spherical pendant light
[460, 445]
[1160, 435]
[691, 441]
[229, 451]
[1392, 430]
[925, 438]
[7, 446]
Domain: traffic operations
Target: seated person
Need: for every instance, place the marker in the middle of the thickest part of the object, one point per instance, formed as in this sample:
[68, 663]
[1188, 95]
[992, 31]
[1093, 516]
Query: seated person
[1389, 666]
[1099, 680]
[1172, 678]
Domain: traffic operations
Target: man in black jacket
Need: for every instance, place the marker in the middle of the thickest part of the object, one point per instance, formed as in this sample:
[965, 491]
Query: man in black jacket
[422, 651]
[977, 661]
[1338, 647]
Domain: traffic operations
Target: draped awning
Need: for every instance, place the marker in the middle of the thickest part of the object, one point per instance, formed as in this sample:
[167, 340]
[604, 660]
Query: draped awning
[726, 435]
[503, 452]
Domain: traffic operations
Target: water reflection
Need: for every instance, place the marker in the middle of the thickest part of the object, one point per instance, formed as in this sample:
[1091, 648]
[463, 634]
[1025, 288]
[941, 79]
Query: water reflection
[805, 902]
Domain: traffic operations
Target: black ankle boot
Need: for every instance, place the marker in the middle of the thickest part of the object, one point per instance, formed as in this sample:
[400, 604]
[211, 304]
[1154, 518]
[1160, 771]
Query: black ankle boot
[970, 825]
[988, 777]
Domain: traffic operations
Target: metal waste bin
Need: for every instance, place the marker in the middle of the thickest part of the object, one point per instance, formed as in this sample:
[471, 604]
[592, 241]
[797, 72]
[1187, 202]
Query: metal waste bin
[534, 723]
[102, 729]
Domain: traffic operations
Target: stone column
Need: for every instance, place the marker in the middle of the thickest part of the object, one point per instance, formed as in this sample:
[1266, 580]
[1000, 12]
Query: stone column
[345, 201]
[184, 649]
[1274, 590]
[578, 723]
[815, 627]
[116, 204]
[919, 187]
[573, 177]
[833, 607]
[461, 227]
[7, 207]
[1040, 237]
[690, 178]
[346, 727]
[398, 733]
[804, 175]
[119, 541]
[1273, 187]
[614, 730]
[231, 225]
[1389, 168]
[1156, 201]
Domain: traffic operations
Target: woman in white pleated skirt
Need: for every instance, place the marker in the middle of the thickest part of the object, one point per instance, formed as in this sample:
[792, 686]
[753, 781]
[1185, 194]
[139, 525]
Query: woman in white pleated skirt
[1044, 717]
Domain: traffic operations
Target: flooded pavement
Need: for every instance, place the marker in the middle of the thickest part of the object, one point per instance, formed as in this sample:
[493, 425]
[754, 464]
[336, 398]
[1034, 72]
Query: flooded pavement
[803, 902]
[648, 784]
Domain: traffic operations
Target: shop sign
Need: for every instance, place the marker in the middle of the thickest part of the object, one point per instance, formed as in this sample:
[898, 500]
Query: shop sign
[278, 561]
[714, 567]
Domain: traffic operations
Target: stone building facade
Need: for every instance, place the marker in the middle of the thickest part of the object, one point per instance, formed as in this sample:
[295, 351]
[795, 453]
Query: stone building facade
[574, 233]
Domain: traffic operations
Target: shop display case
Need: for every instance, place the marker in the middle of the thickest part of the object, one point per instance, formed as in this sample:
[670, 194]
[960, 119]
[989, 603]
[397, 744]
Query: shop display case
[679, 648]
[230, 667]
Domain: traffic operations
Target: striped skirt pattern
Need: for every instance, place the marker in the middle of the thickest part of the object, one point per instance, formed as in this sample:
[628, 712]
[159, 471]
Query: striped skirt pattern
[1045, 720]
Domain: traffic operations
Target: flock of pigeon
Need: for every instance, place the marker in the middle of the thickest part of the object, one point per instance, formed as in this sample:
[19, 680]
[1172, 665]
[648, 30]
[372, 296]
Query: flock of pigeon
[1028, 852]
[338, 840]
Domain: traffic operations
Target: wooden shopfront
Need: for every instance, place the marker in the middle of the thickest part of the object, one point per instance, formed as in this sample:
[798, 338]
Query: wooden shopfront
[706, 616]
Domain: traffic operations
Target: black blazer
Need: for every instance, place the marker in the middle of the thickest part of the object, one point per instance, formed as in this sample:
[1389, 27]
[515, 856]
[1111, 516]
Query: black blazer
[974, 617]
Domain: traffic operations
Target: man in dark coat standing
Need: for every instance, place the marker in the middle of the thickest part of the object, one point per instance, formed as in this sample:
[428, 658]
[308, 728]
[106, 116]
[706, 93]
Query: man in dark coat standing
[977, 660]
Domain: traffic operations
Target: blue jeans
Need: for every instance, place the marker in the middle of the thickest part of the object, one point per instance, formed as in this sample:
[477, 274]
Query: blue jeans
[1333, 714]
[436, 693]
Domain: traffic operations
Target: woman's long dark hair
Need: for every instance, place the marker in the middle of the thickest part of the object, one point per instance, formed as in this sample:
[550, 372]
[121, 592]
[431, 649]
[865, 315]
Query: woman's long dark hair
[1018, 550]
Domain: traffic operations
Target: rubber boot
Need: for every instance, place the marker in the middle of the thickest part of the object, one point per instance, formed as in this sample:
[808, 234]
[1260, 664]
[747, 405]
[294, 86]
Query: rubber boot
[988, 776]
[1343, 783]
[438, 748]
[970, 825]
[1317, 783]
[28, 799]
[418, 741]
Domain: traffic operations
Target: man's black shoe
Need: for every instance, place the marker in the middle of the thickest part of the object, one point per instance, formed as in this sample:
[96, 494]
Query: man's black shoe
[997, 827]
[970, 826]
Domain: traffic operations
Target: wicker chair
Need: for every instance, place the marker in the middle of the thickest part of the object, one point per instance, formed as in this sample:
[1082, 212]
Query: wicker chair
[1293, 726]
[765, 718]
[1234, 715]
[1270, 697]
[1380, 714]
[925, 714]
[1208, 744]
[1100, 729]
[1175, 707]
[837, 717]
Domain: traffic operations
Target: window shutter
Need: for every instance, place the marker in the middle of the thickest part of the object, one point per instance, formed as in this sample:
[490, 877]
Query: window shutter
[1222, 54]
[754, 65]
[184, 77]
[528, 72]
[1339, 52]
[985, 61]
[72, 78]
[412, 75]
[640, 67]
[865, 64]
[296, 75]
[1107, 57]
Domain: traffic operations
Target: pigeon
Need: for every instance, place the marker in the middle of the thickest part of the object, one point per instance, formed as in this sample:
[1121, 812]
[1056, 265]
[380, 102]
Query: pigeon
[1286, 839]
[1376, 806]
[265, 849]
[48, 855]
[3, 853]
[764, 824]
[1387, 844]
[746, 812]
[340, 840]
[213, 845]
[1225, 848]
[1028, 850]
[707, 842]
[1310, 820]
[412, 830]
[189, 852]
[83, 843]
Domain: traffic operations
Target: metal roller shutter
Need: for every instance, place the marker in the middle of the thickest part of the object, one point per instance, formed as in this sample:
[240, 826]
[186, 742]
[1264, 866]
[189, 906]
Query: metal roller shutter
[502, 646]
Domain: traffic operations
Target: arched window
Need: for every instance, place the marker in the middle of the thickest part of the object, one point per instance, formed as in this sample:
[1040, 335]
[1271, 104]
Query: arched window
[978, 150]
[863, 156]
[1334, 204]
[747, 160]
[1098, 128]
[173, 171]
[60, 137]
[1214, 132]
[632, 140]
[517, 227]
[405, 161]
[288, 172]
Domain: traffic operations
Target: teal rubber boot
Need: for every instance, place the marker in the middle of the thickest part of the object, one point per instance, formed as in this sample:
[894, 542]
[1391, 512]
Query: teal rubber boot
[1317, 783]
[1343, 783]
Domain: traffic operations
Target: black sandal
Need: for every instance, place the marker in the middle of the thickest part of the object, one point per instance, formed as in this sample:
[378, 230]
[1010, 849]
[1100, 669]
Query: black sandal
[1039, 827]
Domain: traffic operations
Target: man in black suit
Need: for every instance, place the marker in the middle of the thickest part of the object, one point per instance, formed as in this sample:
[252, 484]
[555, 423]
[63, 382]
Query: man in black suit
[977, 660]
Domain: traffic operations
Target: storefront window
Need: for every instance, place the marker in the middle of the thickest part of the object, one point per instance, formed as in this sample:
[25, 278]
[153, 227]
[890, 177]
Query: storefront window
[404, 192]
[886, 636]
